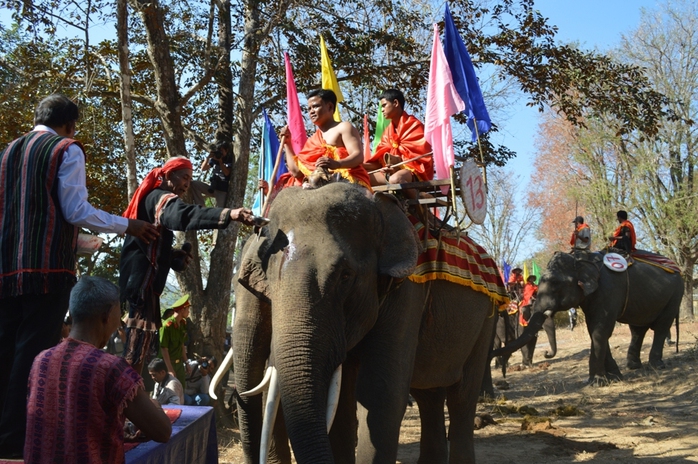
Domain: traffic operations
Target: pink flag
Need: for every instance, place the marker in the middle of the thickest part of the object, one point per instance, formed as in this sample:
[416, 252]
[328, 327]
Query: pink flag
[295, 117]
[442, 102]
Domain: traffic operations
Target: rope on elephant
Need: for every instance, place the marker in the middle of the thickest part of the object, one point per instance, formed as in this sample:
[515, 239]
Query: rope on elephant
[458, 259]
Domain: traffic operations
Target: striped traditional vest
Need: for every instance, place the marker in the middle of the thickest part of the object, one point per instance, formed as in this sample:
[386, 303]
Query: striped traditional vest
[37, 245]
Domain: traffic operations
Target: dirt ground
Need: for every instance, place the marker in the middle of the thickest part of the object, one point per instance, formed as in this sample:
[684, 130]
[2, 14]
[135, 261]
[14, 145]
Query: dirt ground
[549, 415]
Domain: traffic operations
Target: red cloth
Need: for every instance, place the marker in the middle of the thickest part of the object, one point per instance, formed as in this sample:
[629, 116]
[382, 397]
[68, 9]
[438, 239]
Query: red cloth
[528, 292]
[617, 232]
[573, 240]
[152, 181]
[463, 262]
[661, 261]
[75, 407]
[406, 141]
[516, 278]
[315, 148]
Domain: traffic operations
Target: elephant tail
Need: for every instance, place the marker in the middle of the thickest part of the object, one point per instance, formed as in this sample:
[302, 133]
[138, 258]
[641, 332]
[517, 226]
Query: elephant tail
[677, 332]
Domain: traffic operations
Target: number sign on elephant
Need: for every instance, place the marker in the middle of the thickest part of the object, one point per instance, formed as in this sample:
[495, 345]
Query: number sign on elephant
[473, 192]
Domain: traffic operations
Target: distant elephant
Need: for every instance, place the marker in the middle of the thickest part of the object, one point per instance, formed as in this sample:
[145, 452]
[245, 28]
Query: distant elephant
[509, 328]
[644, 297]
[325, 285]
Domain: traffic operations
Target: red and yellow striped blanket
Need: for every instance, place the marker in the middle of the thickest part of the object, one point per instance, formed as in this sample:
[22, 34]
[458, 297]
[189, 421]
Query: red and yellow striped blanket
[465, 263]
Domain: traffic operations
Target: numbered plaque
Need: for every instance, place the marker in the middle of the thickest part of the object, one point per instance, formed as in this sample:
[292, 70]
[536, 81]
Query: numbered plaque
[472, 191]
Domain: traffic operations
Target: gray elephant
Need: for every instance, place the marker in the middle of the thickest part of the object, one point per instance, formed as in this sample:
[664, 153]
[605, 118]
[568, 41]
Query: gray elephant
[509, 328]
[645, 296]
[325, 285]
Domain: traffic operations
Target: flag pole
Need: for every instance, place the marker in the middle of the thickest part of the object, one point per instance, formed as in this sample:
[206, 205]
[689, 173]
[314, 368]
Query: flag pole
[273, 174]
[482, 156]
[261, 174]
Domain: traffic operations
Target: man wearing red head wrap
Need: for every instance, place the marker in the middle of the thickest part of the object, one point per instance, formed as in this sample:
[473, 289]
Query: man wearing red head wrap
[144, 267]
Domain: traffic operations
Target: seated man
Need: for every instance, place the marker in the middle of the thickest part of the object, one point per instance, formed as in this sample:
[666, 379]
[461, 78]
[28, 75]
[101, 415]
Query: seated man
[530, 292]
[402, 140]
[168, 390]
[623, 237]
[334, 148]
[198, 381]
[80, 395]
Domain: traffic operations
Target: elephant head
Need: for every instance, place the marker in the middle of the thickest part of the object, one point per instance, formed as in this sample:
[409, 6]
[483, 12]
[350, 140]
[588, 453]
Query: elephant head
[314, 281]
[566, 282]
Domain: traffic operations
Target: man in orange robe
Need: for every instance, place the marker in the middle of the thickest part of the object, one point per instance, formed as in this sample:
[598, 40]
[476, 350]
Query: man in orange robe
[529, 294]
[335, 146]
[402, 140]
[623, 237]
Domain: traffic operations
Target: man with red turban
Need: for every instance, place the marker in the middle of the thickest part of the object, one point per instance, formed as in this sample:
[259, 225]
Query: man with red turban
[144, 267]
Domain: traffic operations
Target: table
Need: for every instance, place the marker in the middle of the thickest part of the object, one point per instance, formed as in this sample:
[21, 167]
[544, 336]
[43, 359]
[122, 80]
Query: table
[193, 440]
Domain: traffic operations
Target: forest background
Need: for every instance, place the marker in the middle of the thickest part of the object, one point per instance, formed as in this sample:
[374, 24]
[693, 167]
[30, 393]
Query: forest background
[617, 129]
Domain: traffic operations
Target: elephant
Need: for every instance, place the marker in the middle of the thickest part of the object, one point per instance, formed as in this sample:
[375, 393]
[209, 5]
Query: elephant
[324, 285]
[509, 328]
[644, 296]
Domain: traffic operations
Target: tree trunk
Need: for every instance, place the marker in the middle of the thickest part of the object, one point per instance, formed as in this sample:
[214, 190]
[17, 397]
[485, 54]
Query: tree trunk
[167, 103]
[125, 90]
[686, 310]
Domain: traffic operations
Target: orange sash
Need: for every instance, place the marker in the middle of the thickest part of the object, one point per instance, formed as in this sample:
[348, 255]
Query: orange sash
[315, 148]
[573, 240]
[631, 228]
[407, 141]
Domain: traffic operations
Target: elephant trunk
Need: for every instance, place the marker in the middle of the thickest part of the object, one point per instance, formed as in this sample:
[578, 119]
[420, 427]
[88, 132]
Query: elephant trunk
[549, 327]
[534, 325]
[250, 350]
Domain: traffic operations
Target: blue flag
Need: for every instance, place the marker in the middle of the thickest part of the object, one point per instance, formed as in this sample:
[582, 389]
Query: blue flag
[464, 78]
[506, 271]
[270, 147]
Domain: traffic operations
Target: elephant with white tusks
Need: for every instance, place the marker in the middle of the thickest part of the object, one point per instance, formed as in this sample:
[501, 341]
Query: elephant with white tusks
[645, 296]
[325, 287]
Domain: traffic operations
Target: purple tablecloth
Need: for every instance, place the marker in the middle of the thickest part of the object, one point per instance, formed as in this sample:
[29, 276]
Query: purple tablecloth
[193, 440]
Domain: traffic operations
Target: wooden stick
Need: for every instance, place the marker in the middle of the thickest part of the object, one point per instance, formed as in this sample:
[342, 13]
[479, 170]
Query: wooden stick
[273, 174]
[402, 162]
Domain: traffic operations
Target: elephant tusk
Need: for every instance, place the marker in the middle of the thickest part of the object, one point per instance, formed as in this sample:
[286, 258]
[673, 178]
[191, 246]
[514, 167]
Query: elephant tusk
[219, 374]
[270, 410]
[263, 385]
[333, 396]
[548, 313]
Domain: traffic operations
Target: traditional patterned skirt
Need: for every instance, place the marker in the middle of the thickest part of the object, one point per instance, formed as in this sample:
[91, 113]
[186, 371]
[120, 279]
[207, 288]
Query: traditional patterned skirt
[142, 326]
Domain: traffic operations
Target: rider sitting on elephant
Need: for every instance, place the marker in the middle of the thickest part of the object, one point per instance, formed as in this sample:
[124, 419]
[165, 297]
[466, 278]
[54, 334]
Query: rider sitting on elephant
[623, 237]
[529, 295]
[581, 237]
[334, 148]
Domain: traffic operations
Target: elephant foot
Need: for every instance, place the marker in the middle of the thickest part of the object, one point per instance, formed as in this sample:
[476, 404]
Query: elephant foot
[657, 364]
[603, 381]
[634, 364]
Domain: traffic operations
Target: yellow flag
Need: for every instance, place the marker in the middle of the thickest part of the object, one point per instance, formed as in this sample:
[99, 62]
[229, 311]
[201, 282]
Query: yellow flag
[525, 272]
[329, 79]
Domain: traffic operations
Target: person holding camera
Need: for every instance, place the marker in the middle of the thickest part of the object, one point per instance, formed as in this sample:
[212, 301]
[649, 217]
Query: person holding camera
[220, 161]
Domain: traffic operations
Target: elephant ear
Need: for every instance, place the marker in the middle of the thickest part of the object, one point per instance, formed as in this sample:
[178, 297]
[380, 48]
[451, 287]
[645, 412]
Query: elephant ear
[589, 273]
[399, 247]
[252, 274]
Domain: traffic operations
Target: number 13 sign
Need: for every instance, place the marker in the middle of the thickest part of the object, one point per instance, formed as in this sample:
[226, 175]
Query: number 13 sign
[472, 191]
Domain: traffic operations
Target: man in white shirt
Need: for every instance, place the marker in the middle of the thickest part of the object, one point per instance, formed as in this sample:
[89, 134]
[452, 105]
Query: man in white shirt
[168, 390]
[43, 204]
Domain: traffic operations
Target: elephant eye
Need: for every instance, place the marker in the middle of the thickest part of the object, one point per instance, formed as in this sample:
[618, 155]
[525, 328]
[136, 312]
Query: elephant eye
[345, 275]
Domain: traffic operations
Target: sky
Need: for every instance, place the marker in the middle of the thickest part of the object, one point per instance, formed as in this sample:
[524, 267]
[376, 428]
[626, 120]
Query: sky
[595, 25]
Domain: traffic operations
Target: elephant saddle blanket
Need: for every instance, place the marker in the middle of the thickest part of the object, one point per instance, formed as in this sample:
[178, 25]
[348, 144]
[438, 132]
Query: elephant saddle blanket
[655, 260]
[459, 260]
